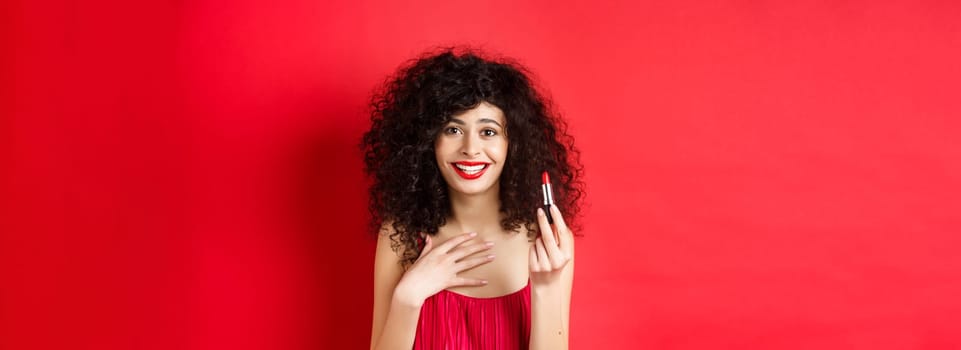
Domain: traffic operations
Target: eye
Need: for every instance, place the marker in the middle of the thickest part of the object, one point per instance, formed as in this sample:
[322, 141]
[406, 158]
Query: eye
[489, 132]
[452, 130]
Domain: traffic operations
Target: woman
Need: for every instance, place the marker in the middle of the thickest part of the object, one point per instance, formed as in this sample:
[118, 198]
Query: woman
[466, 257]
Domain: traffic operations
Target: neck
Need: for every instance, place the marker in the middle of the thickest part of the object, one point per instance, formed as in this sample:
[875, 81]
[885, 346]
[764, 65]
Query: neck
[475, 212]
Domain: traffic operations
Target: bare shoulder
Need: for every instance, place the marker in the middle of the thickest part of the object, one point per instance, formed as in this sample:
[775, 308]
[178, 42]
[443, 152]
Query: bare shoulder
[387, 273]
[385, 246]
[524, 233]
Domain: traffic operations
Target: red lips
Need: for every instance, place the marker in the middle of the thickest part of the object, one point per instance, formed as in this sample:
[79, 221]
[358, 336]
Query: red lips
[473, 176]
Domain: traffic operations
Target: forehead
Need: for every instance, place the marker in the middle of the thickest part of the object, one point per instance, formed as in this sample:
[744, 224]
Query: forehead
[482, 113]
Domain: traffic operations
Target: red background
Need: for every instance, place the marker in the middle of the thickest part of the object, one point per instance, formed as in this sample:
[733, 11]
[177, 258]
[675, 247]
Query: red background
[761, 175]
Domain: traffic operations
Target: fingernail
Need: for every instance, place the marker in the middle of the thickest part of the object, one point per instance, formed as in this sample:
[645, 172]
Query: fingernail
[489, 244]
[491, 257]
[540, 211]
[484, 282]
[473, 234]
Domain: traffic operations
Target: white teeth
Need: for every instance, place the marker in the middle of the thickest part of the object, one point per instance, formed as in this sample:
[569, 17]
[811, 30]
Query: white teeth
[471, 170]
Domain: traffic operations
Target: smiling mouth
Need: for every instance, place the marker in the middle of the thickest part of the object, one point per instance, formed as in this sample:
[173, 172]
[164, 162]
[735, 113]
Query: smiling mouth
[470, 171]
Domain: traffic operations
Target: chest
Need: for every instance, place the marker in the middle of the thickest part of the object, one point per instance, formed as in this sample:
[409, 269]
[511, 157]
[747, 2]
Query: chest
[506, 274]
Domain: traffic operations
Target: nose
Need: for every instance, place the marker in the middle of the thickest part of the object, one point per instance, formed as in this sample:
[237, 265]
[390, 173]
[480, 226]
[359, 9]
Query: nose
[471, 146]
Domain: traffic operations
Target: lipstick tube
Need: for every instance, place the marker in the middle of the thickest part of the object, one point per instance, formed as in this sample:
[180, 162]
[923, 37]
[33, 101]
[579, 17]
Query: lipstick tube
[548, 196]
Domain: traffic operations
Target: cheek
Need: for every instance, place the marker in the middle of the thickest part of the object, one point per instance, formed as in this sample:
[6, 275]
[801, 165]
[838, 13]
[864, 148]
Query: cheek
[439, 154]
[441, 147]
[502, 151]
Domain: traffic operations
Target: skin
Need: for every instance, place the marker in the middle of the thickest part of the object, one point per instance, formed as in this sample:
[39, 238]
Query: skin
[471, 254]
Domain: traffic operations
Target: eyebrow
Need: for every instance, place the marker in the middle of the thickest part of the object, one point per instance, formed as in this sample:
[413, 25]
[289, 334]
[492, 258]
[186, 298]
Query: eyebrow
[482, 120]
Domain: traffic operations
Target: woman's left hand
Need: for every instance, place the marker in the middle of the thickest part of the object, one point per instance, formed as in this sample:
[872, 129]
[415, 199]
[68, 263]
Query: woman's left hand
[552, 251]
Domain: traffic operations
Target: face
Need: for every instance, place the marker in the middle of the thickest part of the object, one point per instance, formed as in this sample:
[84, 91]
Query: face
[471, 149]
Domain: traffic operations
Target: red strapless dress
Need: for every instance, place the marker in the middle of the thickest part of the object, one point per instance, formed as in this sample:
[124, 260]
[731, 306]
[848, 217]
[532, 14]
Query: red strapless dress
[458, 322]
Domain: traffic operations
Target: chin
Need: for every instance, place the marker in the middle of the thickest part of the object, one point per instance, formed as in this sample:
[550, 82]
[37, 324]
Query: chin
[473, 189]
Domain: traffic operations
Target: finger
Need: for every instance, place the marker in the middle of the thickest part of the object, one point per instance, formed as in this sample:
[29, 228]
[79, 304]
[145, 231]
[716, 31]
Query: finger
[461, 251]
[471, 263]
[558, 218]
[427, 245]
[456, 241]
[543, 260]
[565, 236]
[469, 282]
[550, 242]
[546, 232]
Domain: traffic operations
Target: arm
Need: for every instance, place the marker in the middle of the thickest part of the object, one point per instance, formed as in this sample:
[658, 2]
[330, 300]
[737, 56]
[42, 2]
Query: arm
[552, 279]
[551, 313]
[401, 318]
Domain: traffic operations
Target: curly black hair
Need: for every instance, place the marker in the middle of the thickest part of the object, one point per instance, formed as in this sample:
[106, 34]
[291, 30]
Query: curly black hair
[407, 115]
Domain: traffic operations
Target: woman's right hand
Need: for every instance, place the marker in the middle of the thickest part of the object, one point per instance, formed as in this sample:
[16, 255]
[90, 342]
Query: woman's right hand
[437, 268]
